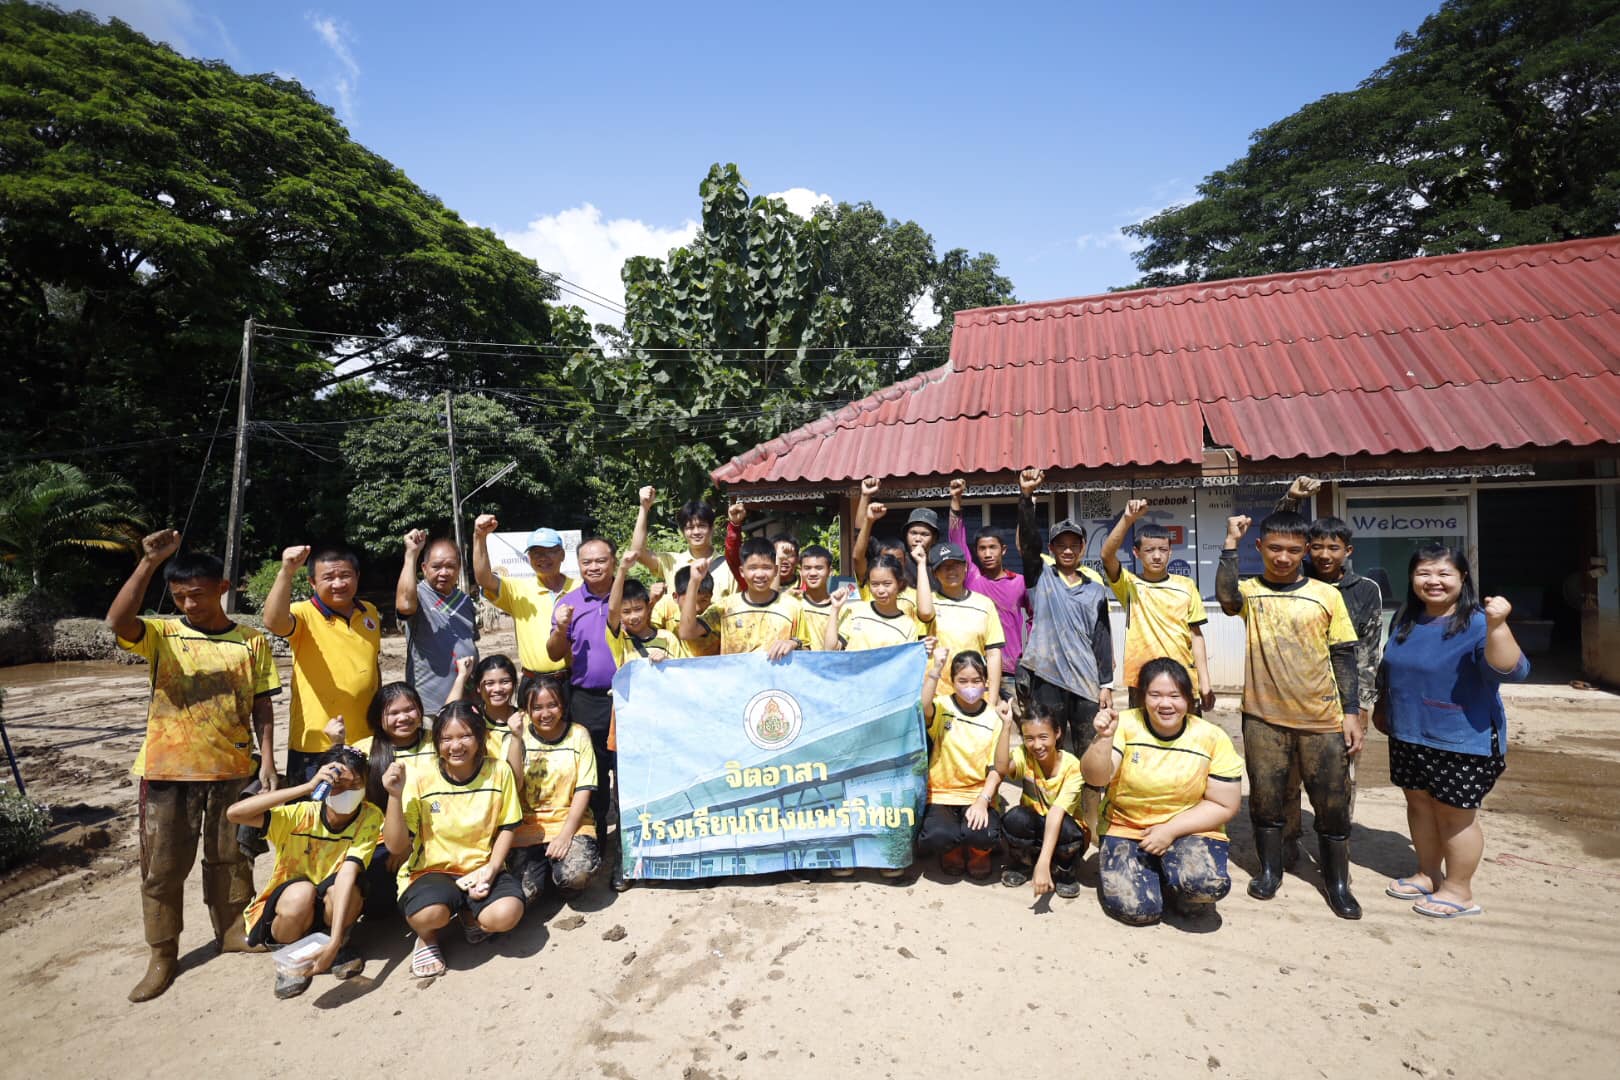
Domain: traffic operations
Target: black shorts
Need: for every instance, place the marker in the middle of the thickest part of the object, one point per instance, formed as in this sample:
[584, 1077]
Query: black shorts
[430, 889]
[261, 933]
[1456, 779]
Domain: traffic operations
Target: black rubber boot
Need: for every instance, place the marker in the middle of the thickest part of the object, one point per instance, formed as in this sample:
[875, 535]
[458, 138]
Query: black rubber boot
[1268, 845]
[1335, 852]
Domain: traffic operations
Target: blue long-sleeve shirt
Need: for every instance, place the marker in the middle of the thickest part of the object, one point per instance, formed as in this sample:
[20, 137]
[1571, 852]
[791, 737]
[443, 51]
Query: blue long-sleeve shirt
[1441, 692]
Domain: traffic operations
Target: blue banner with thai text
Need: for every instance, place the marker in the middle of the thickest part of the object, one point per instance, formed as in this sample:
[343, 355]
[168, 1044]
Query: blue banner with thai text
[735, 765]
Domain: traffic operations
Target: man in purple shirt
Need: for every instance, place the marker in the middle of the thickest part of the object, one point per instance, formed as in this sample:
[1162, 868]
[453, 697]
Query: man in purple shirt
[579, 635]
[987, 576]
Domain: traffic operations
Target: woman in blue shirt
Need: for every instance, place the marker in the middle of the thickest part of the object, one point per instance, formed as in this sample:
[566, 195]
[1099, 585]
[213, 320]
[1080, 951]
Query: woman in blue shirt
[1441, 706]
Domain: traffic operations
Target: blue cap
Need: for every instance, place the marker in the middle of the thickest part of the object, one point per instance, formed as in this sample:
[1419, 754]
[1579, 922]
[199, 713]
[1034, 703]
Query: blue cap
[544, 538]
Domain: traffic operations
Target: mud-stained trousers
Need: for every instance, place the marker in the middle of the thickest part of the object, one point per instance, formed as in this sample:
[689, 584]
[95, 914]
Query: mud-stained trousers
[1023, 831]
[1270, 752]
[1293, 828]
[173, 814]
[1135, 885]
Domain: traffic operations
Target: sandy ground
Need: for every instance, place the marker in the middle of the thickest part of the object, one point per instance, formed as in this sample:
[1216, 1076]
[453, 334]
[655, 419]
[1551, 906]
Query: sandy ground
[776, 977]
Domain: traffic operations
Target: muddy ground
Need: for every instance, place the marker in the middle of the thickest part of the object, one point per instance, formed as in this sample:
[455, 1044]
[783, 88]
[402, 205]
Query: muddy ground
[778, 977]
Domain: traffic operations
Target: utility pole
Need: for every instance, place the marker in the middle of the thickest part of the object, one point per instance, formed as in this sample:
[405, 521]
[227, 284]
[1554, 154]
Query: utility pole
[455, 493]
[233, 528]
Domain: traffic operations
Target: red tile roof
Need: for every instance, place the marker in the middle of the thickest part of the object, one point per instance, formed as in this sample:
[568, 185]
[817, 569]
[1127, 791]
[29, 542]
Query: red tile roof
[1497, 349]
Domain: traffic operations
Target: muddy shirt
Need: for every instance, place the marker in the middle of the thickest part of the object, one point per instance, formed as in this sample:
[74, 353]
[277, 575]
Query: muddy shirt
[1364, 600]
[962, 750]
[308, 850]
[1160, 616]
[200, 719]
[1291, 630]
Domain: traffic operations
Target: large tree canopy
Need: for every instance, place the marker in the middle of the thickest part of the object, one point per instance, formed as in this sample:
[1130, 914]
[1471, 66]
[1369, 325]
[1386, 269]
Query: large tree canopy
[1496, 123]
[149, 203]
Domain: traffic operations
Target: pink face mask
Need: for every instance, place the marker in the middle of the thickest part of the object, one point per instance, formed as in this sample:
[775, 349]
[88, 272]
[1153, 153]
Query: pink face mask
[971, 694]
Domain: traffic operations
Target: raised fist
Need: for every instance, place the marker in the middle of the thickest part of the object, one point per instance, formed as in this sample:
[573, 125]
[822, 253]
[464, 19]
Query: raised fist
[958, 488]
[1135, 509]
[1237, 526]
[484, 524]
[1497, 610]
[700, 570]
[869, 486]
[628, 560]
[941, 654]
[415, 540]
[393, 780]
[160, 545]
[465, 665]
[875, 511]
[737, 513]
[1030, 479]
[564, 616]
[293, 557]
[1104, 723]
[1303, 488]
[648, 495]
[514, 723]
[335, 730]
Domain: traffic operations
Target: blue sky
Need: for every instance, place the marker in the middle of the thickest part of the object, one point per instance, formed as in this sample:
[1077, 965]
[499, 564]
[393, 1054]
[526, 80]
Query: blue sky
[580, 131]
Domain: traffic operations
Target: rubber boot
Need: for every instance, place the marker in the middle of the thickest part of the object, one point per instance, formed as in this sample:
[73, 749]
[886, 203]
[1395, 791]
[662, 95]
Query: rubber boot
[1268, 845]
[160, 971]
[230, 934]
[1336, 877]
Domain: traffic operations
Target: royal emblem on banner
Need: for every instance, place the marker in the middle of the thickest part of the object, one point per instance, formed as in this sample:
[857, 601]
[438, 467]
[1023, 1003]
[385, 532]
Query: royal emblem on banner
[772, 719]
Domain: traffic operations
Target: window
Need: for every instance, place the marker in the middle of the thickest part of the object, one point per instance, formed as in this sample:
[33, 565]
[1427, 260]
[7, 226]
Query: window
[1389, 527]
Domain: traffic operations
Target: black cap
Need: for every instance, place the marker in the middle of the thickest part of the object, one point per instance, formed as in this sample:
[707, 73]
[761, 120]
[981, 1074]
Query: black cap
[1067, 525]
[924, 516]
[944, 553]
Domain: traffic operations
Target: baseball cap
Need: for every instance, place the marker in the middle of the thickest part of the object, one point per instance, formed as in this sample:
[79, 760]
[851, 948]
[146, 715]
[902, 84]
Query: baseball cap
[944, 553]
[1067, 525]
[924, 516]
[543, 538]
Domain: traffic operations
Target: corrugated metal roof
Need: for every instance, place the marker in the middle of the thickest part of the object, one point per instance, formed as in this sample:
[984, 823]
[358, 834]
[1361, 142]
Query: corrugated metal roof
[1489, 349]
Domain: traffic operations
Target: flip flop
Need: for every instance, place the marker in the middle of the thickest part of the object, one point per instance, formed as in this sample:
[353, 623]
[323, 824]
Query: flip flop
[427, 962]
[1457, 910]
[1414, 892]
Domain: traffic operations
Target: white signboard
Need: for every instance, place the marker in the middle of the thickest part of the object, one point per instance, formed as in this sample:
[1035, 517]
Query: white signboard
[506, 553]
[1413, 520]
[1171, 508]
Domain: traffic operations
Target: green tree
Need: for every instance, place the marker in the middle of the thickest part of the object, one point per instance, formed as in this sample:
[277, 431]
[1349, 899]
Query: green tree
[397, 470]
[1496, 123]
[149, 203]
[963, 281]
[51, 512]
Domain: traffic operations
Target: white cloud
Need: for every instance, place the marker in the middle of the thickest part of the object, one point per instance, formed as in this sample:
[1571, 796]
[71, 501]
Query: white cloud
[589, 251]
[923, 312]
[802, 201]
[175, 22]
[347, 82]
[1165, 195]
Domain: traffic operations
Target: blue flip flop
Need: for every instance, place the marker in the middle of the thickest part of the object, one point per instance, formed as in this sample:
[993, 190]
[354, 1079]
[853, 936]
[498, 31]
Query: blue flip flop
[1415, 892]
[1457, 910]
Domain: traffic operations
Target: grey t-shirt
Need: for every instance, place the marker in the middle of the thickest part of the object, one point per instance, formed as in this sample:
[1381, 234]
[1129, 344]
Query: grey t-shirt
[441, 629]
[1070, 641]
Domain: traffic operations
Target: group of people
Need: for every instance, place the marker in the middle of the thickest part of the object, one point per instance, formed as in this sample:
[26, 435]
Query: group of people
[464, 793]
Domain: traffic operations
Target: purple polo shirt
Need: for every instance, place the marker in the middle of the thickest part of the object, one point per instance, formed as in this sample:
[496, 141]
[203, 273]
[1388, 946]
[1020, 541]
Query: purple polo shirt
[590, 665]
[1007, 592]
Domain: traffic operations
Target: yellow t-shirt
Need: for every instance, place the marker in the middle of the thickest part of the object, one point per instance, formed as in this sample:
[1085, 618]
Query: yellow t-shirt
[672, 562]
[861, 627]
[962, 750]
[552, 774]
[530, 604]
[453, 825]
[307, 850]
[199, 723]
[334, 673]
[625, 647]
[1287, 666]
[1160, 778]
[906, 601]
[969, 623]
[1042, 794]
[749, 627]
[1159, 616]
[666, 616]
[813, 619]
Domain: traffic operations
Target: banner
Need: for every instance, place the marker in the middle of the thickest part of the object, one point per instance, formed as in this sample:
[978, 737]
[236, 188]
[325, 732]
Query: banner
[735, 765]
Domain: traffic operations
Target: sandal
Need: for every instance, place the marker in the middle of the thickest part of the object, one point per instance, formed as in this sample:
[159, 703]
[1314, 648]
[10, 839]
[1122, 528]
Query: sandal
[427, 962]
[1452, 911]
[1402, 889]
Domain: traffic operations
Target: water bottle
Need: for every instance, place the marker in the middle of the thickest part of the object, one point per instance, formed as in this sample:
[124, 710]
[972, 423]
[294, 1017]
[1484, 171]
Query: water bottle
[323, 788]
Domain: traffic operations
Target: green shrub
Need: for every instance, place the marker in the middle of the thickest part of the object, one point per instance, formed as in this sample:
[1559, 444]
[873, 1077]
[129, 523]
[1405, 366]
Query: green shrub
[23, 827]
[258, 586]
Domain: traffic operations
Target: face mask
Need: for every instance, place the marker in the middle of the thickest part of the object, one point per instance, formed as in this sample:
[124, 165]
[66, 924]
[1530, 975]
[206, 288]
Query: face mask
[345, 802]
[971, 694]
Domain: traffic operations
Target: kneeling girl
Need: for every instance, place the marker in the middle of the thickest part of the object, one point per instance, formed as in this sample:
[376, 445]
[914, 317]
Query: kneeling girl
[1044, 838]
[961, 825]
[1174, 781]
[556, 769]
[456, 817]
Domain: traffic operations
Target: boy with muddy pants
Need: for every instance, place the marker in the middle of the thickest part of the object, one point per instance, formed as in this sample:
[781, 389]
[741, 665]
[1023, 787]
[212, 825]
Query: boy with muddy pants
[1330, 546]
[1300, 704]
[212, 681]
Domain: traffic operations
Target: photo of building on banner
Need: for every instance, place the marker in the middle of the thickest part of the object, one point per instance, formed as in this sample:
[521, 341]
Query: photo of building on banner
[734, 765]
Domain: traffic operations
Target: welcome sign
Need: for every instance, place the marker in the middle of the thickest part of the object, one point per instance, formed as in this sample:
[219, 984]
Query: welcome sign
[735, 765]
[1416, 520]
